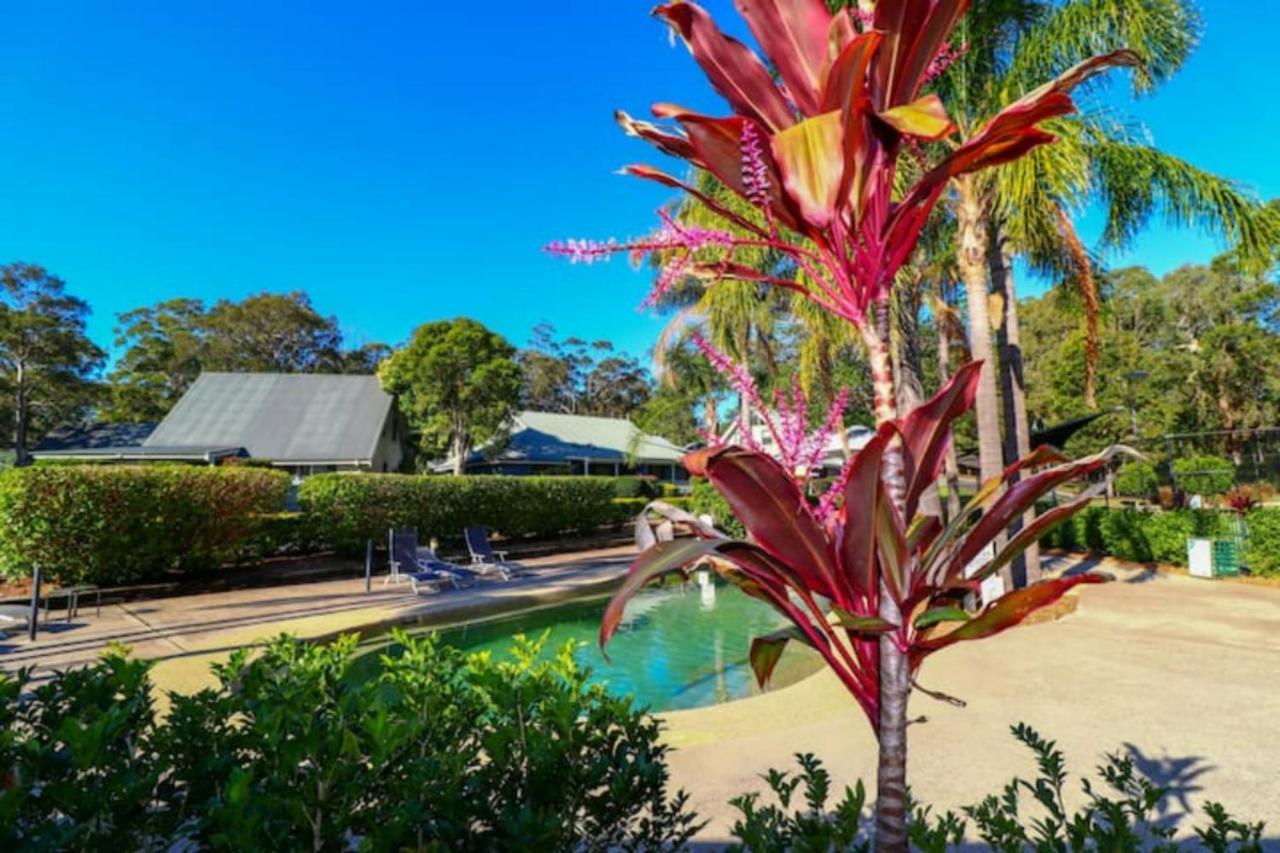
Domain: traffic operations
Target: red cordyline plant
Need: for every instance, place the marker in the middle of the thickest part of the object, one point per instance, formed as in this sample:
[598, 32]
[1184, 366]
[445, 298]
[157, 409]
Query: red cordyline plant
[815, 151]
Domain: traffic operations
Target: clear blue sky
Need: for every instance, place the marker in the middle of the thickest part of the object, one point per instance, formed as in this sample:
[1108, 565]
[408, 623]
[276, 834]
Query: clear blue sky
[404, 162]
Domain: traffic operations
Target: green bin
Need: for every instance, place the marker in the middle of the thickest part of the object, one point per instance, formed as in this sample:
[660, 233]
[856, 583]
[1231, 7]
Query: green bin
[1226, 558]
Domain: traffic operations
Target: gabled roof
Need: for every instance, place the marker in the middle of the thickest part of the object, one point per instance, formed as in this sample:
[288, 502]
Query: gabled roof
[300, 417]
[553, 437]
[94, 436]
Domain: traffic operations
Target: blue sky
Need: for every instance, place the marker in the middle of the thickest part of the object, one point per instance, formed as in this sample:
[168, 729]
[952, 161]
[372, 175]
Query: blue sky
[405, 162]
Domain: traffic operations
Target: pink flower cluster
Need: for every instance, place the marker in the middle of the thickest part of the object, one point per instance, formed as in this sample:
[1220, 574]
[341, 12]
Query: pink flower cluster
[800, 451]
[755, 175]
[946, 57]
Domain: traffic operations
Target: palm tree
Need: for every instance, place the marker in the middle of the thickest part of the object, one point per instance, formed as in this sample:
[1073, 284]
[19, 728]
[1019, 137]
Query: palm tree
[1024, 208]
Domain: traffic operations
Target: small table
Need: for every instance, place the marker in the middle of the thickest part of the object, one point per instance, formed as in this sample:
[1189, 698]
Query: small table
[71, 595]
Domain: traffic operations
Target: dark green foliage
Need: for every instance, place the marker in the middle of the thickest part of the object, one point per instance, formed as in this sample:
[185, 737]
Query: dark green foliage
[346, 510]
[636, 487]
[115, 524]
[1122, 815]
[438, 751]
[705, 500]
[1205, 475]
[1137, 480]
[1145, 537]
[1262, 546]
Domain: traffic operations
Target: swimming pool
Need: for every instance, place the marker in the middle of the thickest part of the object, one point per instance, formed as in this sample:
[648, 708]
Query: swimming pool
[678, 647]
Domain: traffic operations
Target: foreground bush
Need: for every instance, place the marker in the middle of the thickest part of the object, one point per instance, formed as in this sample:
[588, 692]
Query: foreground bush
[1122, 814]
[346, 510]
[115, 524]
[439, 751]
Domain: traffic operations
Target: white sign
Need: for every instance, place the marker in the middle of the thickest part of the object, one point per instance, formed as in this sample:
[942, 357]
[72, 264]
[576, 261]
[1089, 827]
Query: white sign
[992, 587]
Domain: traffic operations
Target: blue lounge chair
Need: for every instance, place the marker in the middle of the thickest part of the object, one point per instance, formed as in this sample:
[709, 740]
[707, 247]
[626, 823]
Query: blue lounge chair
[486, 560]
[421, 567]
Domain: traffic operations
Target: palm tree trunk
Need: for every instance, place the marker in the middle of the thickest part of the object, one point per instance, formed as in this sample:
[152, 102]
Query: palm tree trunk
[971, 257]
[1092, 304]
[895, 673]
[950, 468]
[1017, 434]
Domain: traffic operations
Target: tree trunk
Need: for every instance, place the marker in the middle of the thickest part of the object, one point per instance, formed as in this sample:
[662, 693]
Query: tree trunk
[895, 675]
[971, 257]
[1092, 304]
[950, 468]
[1017, 434]
[460, 451]
[21, 413]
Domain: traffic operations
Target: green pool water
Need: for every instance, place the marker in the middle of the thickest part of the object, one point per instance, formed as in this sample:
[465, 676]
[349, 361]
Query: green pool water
[677, 648]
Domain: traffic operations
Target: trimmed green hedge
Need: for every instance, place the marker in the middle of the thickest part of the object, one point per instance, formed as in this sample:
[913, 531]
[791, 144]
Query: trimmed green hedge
[1161, 537]
[1137, 480]
[345, 510]
[1205, 475]
[120, 523]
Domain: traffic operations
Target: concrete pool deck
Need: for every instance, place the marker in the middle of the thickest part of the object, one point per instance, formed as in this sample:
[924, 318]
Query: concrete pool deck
[1182, 674]
[184, 635]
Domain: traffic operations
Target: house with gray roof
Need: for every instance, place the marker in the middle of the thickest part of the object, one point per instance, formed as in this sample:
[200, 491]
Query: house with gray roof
[553, 443]
[306, 423]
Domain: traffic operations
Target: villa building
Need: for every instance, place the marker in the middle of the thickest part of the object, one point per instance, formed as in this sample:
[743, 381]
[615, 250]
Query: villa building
[305, 423]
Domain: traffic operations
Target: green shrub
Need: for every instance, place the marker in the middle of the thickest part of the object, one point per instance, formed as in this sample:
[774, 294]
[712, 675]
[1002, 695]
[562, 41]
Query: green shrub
[636, 487]
[705, 500]
[293, 751]
[1140, 537]
[1137, 480]
[120, 523]
[1205, 475]
[671, 490]
[1128, 811]
[1262, 551]
[345, 510]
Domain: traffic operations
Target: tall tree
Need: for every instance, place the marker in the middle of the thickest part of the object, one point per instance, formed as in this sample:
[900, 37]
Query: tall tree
[573, 376]
[166, 346]
[458, 385]
[163, 353]
[48, 361]
[274, 333]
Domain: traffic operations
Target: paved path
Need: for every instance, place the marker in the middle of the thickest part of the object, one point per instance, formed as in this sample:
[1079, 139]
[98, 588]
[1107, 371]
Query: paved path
[184, 635]
[1185, 671]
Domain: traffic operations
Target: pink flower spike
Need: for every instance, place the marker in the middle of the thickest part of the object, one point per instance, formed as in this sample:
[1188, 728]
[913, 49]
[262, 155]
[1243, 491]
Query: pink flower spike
[755, 174]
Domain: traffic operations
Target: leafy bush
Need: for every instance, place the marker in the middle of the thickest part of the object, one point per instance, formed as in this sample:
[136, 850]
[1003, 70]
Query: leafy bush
[1140, 537]
[1123, 815]
[1137, 480]
[115, 524]
[1205, 475]
[1262, 550]
[636, 487]
[439, 750]
[705, 500]
[345, 510]
[629, 508]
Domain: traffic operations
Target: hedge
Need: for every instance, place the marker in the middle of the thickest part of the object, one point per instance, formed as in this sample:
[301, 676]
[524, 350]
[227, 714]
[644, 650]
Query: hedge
[1161, 537]
[116, 524]
[1137, 480]
[1205, 475]
[705, 500]
[345, 510]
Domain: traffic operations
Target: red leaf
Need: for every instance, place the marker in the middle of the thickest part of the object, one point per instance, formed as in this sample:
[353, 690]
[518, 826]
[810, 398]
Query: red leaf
[795, 36]
[926, 431]
[734, 71]
[648, 173]
[1017, 499]
[772, 509]
[667, 143]
[663, 558]
[811, 159]
[928, 35]
[856, 542]
[767, 650]
[1003, 613]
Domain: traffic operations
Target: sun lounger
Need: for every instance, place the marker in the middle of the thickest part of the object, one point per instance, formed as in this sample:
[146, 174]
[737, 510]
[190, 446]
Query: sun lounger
[421, 567]
[486, 560]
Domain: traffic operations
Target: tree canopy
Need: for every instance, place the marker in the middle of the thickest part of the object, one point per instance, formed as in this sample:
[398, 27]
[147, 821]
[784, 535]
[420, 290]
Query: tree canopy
[458, 384]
